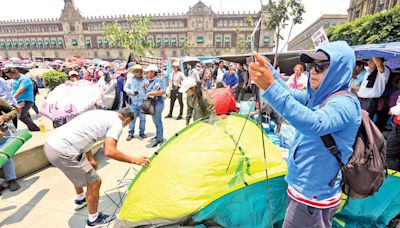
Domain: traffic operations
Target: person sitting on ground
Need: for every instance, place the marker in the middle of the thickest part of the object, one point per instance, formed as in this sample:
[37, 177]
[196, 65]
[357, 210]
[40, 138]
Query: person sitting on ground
[314, 175]
[68, 149]
[298, 80]
[10, 112]
[199, 103]
[230, 78]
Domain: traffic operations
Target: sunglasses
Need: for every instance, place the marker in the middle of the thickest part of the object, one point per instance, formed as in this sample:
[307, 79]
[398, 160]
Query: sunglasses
[319, 67]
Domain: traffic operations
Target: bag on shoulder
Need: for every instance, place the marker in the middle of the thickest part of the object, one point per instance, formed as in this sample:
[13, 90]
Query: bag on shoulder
[365, 171]
[148, 106]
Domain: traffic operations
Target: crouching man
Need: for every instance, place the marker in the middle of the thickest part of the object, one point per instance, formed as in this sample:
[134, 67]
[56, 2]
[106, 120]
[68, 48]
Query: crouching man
[68, 149]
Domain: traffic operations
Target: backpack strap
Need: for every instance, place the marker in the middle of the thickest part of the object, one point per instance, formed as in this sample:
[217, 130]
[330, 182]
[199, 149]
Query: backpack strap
[329, 141]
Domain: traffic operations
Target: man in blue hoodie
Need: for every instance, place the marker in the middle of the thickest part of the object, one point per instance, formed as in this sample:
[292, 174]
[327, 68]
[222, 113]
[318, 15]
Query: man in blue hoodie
[312, 201]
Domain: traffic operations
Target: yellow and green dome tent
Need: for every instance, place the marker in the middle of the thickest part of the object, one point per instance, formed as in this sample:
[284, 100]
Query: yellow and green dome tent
[188, 176]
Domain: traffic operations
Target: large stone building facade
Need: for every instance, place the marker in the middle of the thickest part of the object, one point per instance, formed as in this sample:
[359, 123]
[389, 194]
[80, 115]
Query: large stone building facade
[303, 40]
[359, 8]
[206, 32]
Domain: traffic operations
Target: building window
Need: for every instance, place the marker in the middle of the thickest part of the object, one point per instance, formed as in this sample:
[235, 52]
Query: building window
[54, 43]
[61, 43]
[40, 43]
[27, 43]
[74, 42]
[3, 44]
[173, 40]
[182, 39]
[166, 40]
[218, 40]
[99, 42]
[47, 43]
[106, 42]
[266, 40]
[21, 43]
[227, 41]
[158, 42]
[200, 40]
[15, 44]
[88, 43]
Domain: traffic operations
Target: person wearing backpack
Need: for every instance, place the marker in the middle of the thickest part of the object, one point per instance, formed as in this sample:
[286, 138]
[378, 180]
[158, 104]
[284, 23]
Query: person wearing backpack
[314, 174]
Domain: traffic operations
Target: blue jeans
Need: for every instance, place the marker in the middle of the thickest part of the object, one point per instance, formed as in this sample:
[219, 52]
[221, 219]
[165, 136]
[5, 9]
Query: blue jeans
[138, 112]
[9, 170]
[157, 120]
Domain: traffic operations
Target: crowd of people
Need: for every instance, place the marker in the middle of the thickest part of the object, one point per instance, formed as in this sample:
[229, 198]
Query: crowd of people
[136, 91]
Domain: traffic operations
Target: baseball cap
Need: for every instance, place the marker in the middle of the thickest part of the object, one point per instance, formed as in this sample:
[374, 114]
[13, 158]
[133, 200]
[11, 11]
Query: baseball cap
[187, 83]
[151, 67]
[73, 73]
[311, 57]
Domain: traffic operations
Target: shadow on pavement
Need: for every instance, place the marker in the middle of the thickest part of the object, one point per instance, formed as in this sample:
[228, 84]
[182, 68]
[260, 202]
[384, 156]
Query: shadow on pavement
[24, 183]
[23, 211]
[8, 208]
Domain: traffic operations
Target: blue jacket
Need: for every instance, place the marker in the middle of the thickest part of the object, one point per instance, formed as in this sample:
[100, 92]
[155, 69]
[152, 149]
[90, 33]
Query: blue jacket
[310, 164]
[140, 86]
[229, 80]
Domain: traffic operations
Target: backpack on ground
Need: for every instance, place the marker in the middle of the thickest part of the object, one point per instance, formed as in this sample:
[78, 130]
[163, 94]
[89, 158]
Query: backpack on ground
[365, 171]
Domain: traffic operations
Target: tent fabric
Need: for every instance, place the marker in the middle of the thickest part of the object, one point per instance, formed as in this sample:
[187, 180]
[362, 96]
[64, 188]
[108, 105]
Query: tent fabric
[10, 144]
[224, 101]
[197, 171]
[374, 211]
[252, 203]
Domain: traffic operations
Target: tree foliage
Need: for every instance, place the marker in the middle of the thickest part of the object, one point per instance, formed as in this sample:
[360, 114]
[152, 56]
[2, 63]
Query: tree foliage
[54, 78]
[376, 28]
[186, 46]
[241, 44]
[132, 38]
[279, 13]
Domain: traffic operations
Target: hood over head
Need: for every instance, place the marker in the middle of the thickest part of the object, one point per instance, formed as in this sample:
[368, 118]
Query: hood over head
[342, 62]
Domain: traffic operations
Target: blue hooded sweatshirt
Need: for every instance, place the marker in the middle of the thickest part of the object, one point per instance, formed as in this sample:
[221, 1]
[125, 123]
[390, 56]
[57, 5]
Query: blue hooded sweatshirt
[311, 166]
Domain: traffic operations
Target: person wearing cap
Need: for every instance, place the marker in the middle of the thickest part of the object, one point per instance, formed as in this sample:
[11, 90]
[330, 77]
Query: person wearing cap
[314, 178]
[22, 89]
[73, 76]
[373, 85]
[155, 91]
[220, 73]
[68, 150]
[175, 82]
[195, 72]
[136, 88]
[357, 77]
[199, 103]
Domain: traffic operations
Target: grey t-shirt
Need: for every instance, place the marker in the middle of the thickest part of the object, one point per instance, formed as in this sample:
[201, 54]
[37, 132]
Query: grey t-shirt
[82, 132]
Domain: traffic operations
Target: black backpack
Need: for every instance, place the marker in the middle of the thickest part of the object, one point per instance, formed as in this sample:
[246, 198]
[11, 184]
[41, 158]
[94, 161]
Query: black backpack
[365, 171]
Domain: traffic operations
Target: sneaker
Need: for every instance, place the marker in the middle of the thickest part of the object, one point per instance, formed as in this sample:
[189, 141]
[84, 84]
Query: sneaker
[152, 139]
[80, 204]
[101, 221]
[168, 116]
[129, 138]
[179, 117]
[157, 143]
[13, 185]
[142, 135]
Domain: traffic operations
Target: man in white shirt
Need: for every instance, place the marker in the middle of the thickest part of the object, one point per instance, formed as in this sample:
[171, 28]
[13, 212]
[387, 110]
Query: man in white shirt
[68, 149]
[373, 85]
